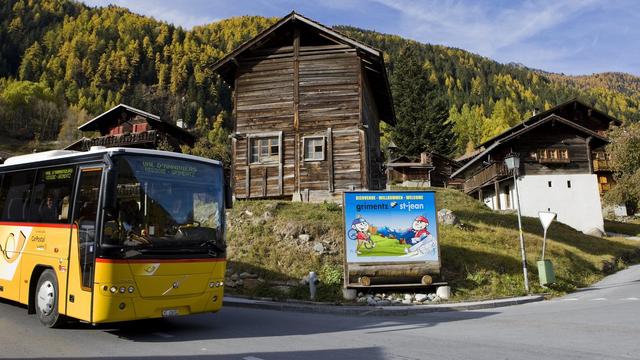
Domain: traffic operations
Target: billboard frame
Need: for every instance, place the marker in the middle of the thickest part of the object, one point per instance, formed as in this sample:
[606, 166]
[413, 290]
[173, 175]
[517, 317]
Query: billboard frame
[429, 267]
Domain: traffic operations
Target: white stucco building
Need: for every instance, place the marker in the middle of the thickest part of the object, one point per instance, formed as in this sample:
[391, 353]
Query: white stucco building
[563, 167]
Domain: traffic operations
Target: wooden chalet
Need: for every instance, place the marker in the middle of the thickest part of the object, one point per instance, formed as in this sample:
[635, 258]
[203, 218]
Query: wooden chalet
[307, 106]
[127, 126]
[430, 169]
[563, 166]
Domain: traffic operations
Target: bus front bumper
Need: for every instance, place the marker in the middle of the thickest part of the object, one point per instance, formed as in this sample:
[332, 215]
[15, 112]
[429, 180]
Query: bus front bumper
[109, 307]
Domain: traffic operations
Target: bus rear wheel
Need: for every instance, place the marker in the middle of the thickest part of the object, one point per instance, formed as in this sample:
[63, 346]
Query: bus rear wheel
[46, 297]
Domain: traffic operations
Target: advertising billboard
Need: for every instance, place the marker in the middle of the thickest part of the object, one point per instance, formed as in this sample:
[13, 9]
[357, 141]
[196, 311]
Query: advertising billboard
[390, 227]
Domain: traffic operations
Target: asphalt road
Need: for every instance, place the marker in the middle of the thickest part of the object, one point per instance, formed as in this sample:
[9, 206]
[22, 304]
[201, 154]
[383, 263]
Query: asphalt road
[602, 322]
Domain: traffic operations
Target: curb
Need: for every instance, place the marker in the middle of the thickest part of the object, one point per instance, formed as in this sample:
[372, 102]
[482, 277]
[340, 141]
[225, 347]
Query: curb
[357, 310]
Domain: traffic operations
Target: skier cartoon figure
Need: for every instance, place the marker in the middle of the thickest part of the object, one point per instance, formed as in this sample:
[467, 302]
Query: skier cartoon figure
[360, 232]
[419, 228]
[422, 241]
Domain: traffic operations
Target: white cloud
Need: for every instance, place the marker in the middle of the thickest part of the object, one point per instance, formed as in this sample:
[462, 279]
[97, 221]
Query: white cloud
[484, 27]
[187, 16]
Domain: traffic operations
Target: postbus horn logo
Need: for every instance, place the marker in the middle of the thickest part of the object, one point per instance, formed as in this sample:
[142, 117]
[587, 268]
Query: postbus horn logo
[12, 248]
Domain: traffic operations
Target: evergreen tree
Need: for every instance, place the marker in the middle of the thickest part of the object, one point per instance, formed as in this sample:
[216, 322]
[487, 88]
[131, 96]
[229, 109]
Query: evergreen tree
[421, 112]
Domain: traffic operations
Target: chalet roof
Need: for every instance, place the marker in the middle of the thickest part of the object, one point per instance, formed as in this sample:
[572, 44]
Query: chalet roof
[545, 114]
[466, 157]
[408, 161]
[113, 115]
[513, 135]
[415, 161]
[227, 66]
[110, 118]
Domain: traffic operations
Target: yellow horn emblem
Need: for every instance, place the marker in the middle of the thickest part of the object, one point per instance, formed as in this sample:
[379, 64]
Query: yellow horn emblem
[12, 248]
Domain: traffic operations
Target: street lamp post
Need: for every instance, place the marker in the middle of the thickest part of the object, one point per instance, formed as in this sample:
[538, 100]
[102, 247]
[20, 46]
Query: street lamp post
[512, 162]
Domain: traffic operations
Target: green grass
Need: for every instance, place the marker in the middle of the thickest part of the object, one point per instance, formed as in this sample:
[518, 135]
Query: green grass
[480, 259]
[383, 247]
[618, 227]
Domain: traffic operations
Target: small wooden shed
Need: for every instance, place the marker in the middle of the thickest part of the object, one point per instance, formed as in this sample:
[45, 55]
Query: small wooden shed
[430, 169]
[307, 106]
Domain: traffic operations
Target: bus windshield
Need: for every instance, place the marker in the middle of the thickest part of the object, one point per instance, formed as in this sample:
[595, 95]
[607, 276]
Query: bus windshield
[165, 206]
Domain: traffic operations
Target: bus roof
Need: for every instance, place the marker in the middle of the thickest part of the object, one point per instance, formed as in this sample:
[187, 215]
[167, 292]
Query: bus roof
[71, 155]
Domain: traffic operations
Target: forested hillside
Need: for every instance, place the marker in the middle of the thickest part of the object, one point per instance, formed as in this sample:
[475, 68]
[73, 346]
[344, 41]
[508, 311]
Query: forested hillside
[62, 62]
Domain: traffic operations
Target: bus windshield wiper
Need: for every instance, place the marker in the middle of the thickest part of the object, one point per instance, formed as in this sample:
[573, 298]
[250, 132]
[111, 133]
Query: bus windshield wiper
[213, 245]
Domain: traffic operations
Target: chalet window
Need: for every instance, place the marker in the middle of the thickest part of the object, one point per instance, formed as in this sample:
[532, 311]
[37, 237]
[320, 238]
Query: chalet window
[555, 155]
[264, 150]
[117, 130]
[314, 148]
[141, 127]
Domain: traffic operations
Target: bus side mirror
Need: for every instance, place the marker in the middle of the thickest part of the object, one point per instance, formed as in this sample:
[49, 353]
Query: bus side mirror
[228, 194]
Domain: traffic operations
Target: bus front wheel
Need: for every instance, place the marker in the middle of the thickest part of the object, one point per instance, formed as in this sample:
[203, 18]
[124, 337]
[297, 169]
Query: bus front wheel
[47, 299]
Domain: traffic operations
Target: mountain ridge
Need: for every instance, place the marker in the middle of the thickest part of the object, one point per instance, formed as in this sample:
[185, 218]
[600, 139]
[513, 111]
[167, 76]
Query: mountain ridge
[92, 58]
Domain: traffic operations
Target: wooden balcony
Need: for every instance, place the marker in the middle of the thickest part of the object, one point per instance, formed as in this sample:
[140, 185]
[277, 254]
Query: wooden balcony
[128, 139]
[601, 165]
[488, 174]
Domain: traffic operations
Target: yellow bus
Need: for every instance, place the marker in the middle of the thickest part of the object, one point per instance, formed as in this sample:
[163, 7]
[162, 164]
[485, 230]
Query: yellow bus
[112, 234]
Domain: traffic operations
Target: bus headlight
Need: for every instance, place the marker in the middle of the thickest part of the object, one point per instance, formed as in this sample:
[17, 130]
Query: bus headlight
[131, 289]
[113, 289]
[123, 290]
[211, 284]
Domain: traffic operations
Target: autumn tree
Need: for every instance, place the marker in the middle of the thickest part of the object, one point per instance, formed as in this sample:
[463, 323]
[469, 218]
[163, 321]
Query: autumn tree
[504, 115]
[468, 124]
[624, 150]
[96, 57]
[73, 117]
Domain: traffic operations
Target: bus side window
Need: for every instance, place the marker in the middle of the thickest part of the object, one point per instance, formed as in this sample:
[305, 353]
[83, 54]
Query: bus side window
[15, 195]
[51, 195]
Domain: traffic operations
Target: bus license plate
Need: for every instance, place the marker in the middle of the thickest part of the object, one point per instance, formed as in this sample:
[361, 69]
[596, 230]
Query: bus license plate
[169, 312]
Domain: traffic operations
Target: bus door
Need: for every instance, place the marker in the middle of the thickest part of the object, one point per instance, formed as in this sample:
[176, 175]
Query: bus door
[83, 242]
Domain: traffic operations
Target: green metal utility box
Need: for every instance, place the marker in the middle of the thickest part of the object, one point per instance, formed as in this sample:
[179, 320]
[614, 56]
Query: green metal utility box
[545, 272]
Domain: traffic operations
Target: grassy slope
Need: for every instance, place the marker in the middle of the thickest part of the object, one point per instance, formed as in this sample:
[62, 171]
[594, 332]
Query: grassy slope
[480, 259]
[628, 228]
[20, 147]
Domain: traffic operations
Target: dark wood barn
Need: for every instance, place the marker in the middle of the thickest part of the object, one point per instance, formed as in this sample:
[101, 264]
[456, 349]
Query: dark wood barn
[430, 169]
[307, 106]
[127, 126]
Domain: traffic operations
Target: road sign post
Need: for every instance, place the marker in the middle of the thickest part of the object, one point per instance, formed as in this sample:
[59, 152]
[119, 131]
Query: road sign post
[545, 267]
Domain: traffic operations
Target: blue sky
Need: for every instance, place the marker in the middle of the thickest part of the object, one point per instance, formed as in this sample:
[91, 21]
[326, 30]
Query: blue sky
[564, 36]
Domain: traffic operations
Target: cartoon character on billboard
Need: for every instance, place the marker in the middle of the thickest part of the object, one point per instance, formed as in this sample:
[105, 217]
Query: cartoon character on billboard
[419, 228]
[422, 241]
[360, 232]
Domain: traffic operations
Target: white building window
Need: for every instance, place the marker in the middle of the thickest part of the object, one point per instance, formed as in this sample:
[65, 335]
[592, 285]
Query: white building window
[314, 148]
[264, 150]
